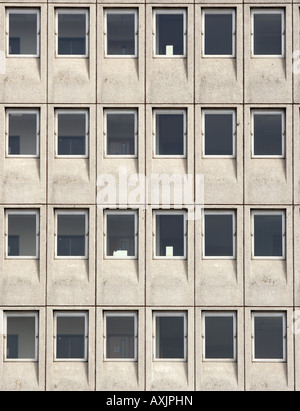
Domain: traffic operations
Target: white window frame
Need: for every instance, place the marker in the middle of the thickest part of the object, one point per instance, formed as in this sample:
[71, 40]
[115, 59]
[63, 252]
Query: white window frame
[85, 112]
[21, 10]
[170, 111]
[73, 314]
[234, 128]
[121, 111]
[37, 236]
[268, 213]
[234, 231]
[121, 11]
[257, 112]
[268, 11]
[72, 212]
[185, 228]
[182, 314]
[173, 10]
[135, 346]
[281, 314]
[23, 314]
[71, 10]
[220, 11]
[232, 314]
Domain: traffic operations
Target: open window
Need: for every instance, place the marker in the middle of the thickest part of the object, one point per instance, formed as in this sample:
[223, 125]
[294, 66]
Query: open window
[121, 33]
[23, 30]
[219, 32]
[170, 32]
[72, 32]
[72, 133]
[71, 336]
[120, 341]
[23, 133]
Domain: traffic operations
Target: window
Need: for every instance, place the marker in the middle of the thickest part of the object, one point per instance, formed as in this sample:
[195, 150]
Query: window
[268, 234]
[72, 234]
[121, 33]
[22, 234]
[170, 334]
[170, 234]
[268, 131]
[170, 133]
[170, 33]
[219, 32]
[120, 133]
[71, 334]
[269, 336]
[23, 32]
[268, 32]
[219, 339]
[23, 133]
[219, 133]
[219, 234]
[72, 133]
[21, 336]
[120, 341]
[121, 234]
[72, 32]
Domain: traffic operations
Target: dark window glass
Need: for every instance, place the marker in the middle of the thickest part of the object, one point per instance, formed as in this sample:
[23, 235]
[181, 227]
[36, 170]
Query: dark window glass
[22, 133]
[169, 34]
[23, 33]
[120, 235]
[21, 338]
[70, 337]
[71, 235]
[169, 134]
[218, 34]
[218, 235]
[120, 34]
[170, 236]
[120, 336]
[22, 235]
[268, 134]
[268, 235]
[72, 34]
[218, 134]
[120, 133]
[268, 337]
[170, 337]
[267, 34]
[71, 139]
[219, 338]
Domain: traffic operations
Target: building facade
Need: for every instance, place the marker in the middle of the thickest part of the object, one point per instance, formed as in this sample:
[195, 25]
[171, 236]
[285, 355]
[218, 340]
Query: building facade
[103, 285]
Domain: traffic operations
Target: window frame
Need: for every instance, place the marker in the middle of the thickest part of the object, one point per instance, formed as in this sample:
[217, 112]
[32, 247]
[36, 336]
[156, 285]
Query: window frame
[173, 10]
[234, 134]
[234, 235]
[120, 111]
[170, 111]
[8, 112]
[105, 236]
[168, 313]
[73, 314]
[86, 242]
[116, 313]
[268, 212]
[23, 10]
[273, 10]
[281, 112]
[232, 314]
[80, 111]
[73, 10]
[124, 10]
[281, 314]
[185, 233]
[15, 211]
[21, 314]
[224, 10]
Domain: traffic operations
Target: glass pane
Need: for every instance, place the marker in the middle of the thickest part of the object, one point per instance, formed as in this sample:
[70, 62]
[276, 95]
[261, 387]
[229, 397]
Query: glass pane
[70, 337]
[23, 33]
[71, 235]
[218, 134]
[22, 139]
[21, 339]
[120, 133]
[71, 134]
[268, 235]
[120, 235]
[219, 340]
[267, 34]
[22, 237]
[267, 134]
[120, 337]
[170, 235]
[169, 134]
[169, 337]
[218, 34]
[219, 235]
[120, 34]
[268, 332]
[71, 34]
[169, 34]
